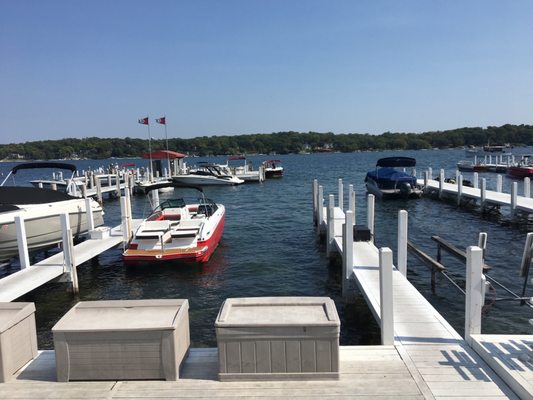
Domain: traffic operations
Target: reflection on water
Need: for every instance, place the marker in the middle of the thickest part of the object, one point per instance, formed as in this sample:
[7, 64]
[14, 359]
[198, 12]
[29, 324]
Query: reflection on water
[270, 248]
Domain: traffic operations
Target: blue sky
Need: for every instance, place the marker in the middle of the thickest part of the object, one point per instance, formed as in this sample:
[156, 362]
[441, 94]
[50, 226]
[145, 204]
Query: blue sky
[93, 68]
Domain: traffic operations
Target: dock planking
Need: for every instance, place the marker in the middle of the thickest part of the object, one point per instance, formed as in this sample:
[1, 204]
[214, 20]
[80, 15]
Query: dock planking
[367, 372]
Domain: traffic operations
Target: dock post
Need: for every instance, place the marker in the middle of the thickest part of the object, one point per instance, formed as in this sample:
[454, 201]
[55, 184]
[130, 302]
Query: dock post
[426, 174]
[330, 218]
[315, 199]
[474, 289]
[98, 190]
[370, 215]
[53, 186]
[155, 197]
[514, 197]
[527, 187]
[430, 173]
[476, 180]
[22, 242]
[320, 208]
[124, 220]
[483, 194]
[89, 215]
[385, 294]
[499, 183]
[459, 188]
[127, 195]
[109, 180]
[68, 252]
[341, 195]
[347, 252]
[351, 201]
[402, 242]
[117, 182]
[482, 244]
[84, 190]
[441, 182]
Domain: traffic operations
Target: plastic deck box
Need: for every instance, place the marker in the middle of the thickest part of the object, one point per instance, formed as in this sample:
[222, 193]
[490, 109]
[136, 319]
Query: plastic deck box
[18, 337]
[122, 339]
[278, 338]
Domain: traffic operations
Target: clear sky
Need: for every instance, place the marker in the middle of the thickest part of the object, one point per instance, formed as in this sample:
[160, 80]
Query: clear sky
[93, 68]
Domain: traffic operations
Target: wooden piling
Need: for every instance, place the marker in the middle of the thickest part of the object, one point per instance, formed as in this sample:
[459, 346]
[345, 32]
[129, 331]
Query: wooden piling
[402, 241]
[341, 194]
[474, 300]
[370, 215]
[347, 252]
[330, 232]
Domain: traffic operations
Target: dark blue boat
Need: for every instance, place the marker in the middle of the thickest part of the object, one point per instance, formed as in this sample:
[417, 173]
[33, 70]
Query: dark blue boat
[386, 181]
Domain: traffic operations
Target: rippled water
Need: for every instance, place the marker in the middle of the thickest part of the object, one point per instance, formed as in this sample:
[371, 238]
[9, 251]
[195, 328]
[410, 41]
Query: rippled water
[270, 248]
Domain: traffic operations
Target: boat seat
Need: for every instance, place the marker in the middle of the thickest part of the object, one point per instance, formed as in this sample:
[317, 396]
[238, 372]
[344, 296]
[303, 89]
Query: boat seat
[182, 233]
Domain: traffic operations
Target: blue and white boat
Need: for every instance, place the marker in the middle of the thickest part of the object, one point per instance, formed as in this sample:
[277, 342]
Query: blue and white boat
[388, 182]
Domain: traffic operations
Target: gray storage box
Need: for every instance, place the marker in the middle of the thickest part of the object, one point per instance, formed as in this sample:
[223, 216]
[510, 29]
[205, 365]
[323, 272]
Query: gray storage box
[278, 338]
[18, 337]
[122, 339]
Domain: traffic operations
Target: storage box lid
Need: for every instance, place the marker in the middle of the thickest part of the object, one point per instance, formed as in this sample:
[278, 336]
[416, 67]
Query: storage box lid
[278, 311]
[13, 313]
[122, 315]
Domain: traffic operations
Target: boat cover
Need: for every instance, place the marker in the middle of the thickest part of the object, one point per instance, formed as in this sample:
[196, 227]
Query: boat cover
[30, 195]
[58, 165]
[388, 178]
[396, 162]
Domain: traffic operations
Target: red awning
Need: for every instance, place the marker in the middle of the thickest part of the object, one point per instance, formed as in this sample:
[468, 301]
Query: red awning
[164, 154]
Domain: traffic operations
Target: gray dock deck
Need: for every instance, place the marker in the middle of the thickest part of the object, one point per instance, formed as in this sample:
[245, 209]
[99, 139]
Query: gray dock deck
[367, 372]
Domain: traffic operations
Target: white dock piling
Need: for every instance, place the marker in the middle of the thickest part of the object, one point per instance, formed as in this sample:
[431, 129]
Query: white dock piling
[514, 197]
[499, 183]
[459, 188]
[53, 186]
[474, 290]
[426, 178]
[124, 220]
[527, 187]
[347, 251]
[386, 295]
[98, 191]
[341, 195]
[320, 207]
[68, 252]
[351, 201]
[330, 232]
[476, 180]
[89, 214]
[315, 200]
[370, 215]
[483, 193]
[441, 182]
[402, 242]
[430, 173]
[109, 180]
[22, 242]
[117, 183]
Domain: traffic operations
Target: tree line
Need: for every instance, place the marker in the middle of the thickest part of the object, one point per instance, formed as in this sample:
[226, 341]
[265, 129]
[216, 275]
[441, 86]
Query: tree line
[278, 143]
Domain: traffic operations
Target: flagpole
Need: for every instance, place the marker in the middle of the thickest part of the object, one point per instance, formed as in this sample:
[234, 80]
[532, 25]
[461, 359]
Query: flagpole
[149, 146]
[166, 139]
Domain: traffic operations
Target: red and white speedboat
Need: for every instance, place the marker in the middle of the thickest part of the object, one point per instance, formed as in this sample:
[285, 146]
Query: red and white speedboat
[178, 229]
[524, 169]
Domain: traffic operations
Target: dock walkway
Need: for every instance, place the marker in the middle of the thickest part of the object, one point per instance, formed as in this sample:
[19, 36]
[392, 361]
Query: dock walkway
[522, 203]
[24, 281]
[367, 372]
[441, 362]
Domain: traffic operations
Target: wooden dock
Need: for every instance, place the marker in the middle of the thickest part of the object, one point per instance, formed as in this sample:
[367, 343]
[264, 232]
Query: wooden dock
[439, 359]
[367, 372]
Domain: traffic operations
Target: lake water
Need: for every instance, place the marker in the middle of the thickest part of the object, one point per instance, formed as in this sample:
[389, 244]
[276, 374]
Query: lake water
[270, 248]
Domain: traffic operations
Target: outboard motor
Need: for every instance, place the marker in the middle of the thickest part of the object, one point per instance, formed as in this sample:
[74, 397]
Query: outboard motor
[405, 189]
